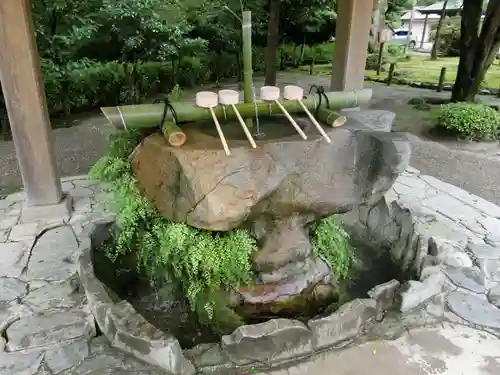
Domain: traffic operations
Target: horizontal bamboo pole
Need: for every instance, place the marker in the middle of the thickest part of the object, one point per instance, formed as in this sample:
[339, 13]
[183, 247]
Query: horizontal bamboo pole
[149, 115]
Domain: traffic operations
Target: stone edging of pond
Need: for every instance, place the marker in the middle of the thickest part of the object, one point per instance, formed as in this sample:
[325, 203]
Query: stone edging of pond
[120, 323]
[263, 345]
[446, 237]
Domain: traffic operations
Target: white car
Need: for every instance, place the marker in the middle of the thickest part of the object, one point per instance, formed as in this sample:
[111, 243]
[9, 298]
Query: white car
[400, 36]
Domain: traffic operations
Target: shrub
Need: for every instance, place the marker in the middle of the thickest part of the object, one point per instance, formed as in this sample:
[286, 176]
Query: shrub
[84, 85]
[320, 53]
[372, 61]
[396, 52]
[420, 104]
[469, 120]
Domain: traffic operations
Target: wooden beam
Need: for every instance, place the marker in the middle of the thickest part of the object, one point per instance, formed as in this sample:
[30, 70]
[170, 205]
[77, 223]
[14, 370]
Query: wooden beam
[24, 94]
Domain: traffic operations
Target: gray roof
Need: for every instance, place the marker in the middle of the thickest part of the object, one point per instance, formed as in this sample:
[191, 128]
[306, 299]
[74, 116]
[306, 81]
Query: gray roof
[453, 6]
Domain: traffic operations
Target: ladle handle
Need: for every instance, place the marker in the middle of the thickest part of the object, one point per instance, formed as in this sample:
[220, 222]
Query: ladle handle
[221, 134]
[244, 126]
[292, 121]
[315, 122]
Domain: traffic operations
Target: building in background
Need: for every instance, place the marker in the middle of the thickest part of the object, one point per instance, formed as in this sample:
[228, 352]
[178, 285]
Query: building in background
[421, 27]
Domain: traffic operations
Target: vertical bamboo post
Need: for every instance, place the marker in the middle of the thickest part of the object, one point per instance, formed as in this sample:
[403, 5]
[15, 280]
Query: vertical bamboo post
[391, 73]
[442, 76]
[246, 29]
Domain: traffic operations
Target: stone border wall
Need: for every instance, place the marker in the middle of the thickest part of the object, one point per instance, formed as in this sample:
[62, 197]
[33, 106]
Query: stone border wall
[119, 322]
[448, 238]
[264, 345]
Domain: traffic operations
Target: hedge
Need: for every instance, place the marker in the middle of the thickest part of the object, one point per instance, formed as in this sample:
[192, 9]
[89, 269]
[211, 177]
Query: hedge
[84, 85]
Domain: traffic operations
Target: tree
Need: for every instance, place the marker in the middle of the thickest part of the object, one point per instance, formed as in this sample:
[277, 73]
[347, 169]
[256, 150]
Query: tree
[438, 31]
[63, 26]
[478, 47]
[378, 21]
[395, 8]
[299, 22]
[272, 41]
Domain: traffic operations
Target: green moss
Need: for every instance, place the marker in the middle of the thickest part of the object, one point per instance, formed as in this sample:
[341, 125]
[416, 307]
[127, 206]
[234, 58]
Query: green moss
[199, 262]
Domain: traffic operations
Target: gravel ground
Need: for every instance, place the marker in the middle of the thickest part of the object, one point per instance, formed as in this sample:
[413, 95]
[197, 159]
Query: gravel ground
[78, 147]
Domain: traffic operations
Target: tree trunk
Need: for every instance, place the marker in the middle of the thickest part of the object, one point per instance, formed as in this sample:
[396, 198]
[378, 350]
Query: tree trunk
[282, 59]
[272, 42]
[438, 32]
[302, 52]
[477, 48]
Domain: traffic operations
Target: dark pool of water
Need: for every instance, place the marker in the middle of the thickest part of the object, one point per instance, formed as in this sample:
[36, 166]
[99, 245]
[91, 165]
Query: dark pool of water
[171, 314]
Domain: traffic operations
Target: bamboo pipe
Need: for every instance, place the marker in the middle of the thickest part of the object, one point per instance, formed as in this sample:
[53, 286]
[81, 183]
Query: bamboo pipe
[173, 134]
[331, 118]
[149, 115]
[246, 38]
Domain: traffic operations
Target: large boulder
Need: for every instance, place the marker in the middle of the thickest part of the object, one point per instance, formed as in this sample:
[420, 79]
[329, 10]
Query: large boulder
[277, 189]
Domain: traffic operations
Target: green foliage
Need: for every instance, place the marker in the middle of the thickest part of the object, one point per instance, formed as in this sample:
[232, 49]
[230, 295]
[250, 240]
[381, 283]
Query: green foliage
[395, 52]
[395, 9]
[94, 84]
[199, 262]
[331, 242]
[372, 61]
[469, 120]
[449, 37]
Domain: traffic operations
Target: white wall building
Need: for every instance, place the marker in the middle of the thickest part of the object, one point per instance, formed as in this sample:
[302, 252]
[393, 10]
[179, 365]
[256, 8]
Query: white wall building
[419, 30]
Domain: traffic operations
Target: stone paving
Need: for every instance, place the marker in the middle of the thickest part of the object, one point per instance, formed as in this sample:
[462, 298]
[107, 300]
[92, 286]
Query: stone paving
[45, 322]
[47, 327]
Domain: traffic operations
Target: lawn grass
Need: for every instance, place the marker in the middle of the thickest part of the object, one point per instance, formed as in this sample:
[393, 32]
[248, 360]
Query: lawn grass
[422, 69]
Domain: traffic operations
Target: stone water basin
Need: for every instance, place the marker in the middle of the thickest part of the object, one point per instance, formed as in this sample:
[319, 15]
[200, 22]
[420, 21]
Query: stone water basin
[277, 191]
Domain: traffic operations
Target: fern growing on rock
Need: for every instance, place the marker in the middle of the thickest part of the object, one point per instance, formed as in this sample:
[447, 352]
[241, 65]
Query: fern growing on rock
[200, 262]
[331, 242]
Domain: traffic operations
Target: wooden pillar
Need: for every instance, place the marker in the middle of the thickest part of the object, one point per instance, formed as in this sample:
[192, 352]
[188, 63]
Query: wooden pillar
[424, 31]
[24, 94]
[351, 43]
